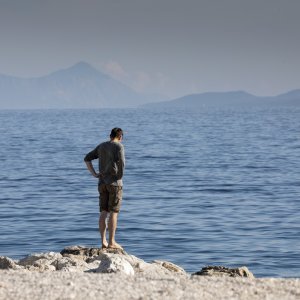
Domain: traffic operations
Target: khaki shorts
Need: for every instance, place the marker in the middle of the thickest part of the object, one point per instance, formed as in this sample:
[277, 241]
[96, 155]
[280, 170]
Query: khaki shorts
[110, 197]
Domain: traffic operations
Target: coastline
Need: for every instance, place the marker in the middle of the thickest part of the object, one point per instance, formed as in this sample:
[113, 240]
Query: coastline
[90, 273]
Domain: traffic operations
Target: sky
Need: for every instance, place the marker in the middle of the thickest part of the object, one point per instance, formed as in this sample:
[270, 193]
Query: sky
[168, 47]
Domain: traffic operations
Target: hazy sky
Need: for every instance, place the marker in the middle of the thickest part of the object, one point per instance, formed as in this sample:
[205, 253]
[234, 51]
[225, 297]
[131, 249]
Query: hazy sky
[173, 47]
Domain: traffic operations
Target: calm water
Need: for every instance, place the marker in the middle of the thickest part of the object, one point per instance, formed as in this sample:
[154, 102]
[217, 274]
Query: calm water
[207, 187]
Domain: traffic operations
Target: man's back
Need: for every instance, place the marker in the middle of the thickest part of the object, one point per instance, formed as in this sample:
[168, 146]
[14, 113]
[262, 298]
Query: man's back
[111, 162]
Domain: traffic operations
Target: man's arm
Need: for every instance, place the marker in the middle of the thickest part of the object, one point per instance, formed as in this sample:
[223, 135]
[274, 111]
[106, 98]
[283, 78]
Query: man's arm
[88, 161]
[90, 167]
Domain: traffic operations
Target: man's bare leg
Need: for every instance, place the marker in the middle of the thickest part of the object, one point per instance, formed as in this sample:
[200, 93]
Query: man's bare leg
[102, 228]
[112, 226]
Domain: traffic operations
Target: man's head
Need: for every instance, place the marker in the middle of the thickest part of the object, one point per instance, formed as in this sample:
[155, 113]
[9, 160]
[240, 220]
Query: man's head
[116, 134]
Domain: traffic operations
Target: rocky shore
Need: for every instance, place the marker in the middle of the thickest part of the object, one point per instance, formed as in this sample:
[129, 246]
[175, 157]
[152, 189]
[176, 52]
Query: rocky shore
[80, 272]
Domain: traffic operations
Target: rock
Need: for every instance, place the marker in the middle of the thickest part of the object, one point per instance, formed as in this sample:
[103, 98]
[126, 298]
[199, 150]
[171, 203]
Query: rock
[160, 269]
[46, 258]
[88, 252]
[137, 263]
[92, 258]
[114, 251]
[29, 260]
[93, 266]
[63, 263]
[84, 259]
[244, 272]
[223, 271]
[74, 263]
[40, 268]
[40, 261]
[7, 263]
[114, 263]
[80, 251]
[169, 266]
[114, 260]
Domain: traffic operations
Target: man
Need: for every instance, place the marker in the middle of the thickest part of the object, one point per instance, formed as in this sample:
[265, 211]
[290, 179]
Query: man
[111, 167]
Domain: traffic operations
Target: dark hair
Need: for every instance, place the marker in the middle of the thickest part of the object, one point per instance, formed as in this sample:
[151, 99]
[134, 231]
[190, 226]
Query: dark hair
[116, 133]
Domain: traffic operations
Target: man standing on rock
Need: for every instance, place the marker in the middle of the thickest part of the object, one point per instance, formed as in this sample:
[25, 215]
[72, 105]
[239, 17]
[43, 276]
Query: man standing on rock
[111, 159]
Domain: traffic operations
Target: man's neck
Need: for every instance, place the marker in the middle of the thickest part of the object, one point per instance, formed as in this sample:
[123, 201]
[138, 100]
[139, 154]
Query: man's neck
[116, 140]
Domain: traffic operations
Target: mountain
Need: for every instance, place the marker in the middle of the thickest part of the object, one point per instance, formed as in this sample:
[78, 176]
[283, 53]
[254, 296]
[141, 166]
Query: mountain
[289, 98]
[80, 86]
[228, 99]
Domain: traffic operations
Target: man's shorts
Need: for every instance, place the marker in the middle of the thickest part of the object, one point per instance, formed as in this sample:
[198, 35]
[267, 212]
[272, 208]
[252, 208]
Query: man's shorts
[110, 197]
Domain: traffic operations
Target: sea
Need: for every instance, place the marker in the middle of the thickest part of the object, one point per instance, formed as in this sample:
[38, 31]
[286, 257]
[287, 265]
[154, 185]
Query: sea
[207, 186]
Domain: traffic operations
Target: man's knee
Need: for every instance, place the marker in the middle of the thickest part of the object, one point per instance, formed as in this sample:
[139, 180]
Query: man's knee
[103, 215]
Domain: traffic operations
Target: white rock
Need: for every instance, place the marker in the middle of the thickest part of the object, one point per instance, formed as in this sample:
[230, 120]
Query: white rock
[135, 262]
[31, 259]
[115, 263]
[94, 265]
[244, 272]
[63, 263]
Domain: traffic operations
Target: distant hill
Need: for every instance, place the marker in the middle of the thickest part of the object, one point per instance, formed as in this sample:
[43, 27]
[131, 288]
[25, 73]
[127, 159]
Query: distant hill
[80, 86]
[289, 98]
[228, 99]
